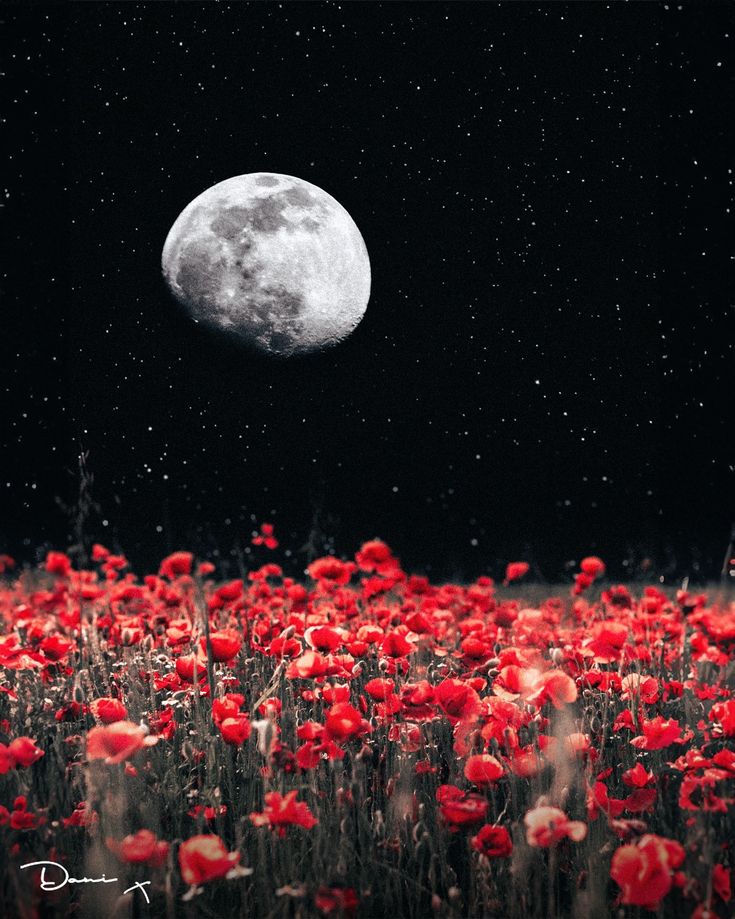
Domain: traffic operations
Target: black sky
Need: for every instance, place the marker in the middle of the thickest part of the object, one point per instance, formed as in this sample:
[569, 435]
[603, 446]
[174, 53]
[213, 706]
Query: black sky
[545, 192]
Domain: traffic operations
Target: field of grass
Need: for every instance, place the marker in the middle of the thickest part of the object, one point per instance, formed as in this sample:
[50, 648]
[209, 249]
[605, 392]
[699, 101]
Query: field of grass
[361, 743]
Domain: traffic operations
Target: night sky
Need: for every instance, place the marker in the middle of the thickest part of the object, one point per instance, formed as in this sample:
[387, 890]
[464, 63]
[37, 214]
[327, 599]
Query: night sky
[545, 366]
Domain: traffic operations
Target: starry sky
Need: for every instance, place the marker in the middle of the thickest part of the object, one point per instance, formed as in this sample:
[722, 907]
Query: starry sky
[545, 366]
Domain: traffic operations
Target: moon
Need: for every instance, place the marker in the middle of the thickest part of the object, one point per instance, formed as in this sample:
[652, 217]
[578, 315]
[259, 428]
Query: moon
[271, 259]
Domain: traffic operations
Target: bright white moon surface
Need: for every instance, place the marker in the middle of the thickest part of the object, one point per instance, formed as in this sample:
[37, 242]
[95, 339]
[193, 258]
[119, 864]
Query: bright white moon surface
[271, 259]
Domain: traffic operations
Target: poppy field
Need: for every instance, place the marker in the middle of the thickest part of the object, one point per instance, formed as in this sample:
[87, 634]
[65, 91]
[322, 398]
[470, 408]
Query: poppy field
[361, 743]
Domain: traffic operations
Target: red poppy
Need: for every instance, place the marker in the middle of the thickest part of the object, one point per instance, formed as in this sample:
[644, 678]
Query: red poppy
[225, 645]
[189, 664]
[375, 555]
[638, 776]
[115, 742]
[467, 811]
[7, 562]
[23, 819]
[266, 537]
[396, 645]
[204, 858]
[556, 687]
[493, 842]
[380, 689]
[457, 698]
[724, 714]
[176, 565]
[24, 752]
[282, 811]
[227, 707]
[331, 569]
[308, 666]
[514, 571]
[657, 733]
[235, 730]
[108, 710]
[344, 722]
[58, 563]
[483, 769]
[56, 647]
[721, 883]
[644, 870]
[592, 566]
[547, 826]
[340, 900]
[324, 639]
[140, 848]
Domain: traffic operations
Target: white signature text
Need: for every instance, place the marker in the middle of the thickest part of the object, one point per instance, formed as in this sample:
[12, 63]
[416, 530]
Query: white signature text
[65, 878]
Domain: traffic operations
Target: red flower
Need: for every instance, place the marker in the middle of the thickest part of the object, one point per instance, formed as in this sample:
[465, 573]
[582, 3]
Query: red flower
[108, 710]
[515, 571]
[380, 689]
[176, 564]
[204, 858]
[140, 848]
[21, 818]
[459, 809]
[56, 647]
[637, 777]
[592, 566]
[284, 810]
[342, 900]
[396, 645]
[24, 752]
[308, 666]
[82, 815]
[657, 733]
[724, 713]
[225, 645]
[457, 698]
[721, 882]
[227, 707]
[6, 563]
[115, 742]
[324, 639]
[493, 842]
[546, 826]
[635, 686]
[556, 687]
[331, 569]
[375, 555]
[99, 553]
[266, 537]
[58, 563]
[235, 730]
[344, 722]
[188, 664]
[644, 870]
[483, 769]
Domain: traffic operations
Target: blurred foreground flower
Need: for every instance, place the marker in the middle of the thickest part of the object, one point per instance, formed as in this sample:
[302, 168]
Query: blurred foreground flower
[204, 858]
[547, 826]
